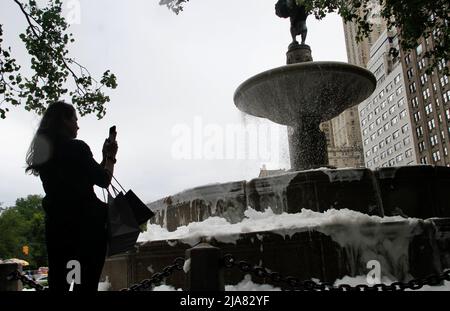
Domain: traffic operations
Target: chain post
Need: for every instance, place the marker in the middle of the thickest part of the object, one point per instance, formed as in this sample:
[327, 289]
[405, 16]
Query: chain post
[205, 271]
[9, 280]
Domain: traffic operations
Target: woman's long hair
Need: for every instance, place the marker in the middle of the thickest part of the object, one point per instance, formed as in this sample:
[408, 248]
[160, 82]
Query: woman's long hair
[51, 131]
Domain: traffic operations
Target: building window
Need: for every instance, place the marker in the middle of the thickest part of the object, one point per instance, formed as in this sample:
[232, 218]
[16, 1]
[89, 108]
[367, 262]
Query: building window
[408, 153]
[389, 87]
[368, 153]
[390, 98]
[406, 141]
[380, 131]
[366, 142]
[375, 149]
[434, 140]
[444, 80]
[402, 114]
[446, 96]
[383, 105]
[447, 114]
[383, 155]
[399, 91]
[396, 134]
[373, 136]
[378, 121]
[371, 126]
[423, 160]
[388, 140]
[390, 150]
[423, 79]
[397, 79]
[392, 109]
[399, 158]
[405, 128]
[428, 109]
[407, 59]
[421, 63]
[412, 87]
[410, 73]
[426, 93]
[416, 116]
[394, 120]
[421, 146]
[431, 124]
[391, 162]
[381, 94]
[401, 102]
[419, 131]
[397, 146]
[436, 156]
[382, 144]
[386, 126]
[365, 132]
[445, 151]
[414, 102]
[384, 116]
[377, 110]
[370, 116]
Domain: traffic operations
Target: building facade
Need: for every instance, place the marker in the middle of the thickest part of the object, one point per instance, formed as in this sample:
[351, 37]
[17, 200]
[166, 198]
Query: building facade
[428, 97]
[385, 123]
[346, 140]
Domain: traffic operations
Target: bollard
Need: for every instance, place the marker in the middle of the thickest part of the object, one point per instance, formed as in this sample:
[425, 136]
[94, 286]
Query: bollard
[205, 271]
[12, 285]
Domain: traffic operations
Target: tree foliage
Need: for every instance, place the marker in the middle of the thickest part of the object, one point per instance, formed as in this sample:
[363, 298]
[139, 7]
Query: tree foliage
[46, 39]
[412, 18]
[23, 224]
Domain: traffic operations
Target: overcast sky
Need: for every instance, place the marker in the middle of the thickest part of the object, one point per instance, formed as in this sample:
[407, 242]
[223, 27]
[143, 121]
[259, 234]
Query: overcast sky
[173, 107]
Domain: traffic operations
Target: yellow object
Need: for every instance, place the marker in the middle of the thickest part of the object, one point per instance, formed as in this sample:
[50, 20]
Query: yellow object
[25, 250]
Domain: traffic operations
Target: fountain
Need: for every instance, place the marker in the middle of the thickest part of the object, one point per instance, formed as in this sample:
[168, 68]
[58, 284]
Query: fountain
[301, 95]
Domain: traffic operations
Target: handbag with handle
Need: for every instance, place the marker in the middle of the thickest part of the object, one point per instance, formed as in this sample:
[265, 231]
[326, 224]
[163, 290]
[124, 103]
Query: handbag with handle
[125, 213]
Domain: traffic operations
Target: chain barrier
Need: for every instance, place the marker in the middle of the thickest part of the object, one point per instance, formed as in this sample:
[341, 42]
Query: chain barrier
[229, 262]
[156, 278]
[18, 275]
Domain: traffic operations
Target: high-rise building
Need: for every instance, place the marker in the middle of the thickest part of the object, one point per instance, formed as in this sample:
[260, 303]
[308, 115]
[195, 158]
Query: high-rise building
[428, 97]
[387, 133]
[346, 143]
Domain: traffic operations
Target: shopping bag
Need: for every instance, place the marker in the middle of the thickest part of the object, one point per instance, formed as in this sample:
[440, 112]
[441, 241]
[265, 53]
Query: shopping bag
[141, 211]
[123, 230]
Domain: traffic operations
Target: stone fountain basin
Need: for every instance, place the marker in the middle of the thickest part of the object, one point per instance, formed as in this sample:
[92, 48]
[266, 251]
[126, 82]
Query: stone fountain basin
[314, 89]
[418, 191]
[402, 248]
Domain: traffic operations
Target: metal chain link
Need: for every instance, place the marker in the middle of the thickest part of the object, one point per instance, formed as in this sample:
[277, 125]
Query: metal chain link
[156, 278]
[229, 261]
[18, 275]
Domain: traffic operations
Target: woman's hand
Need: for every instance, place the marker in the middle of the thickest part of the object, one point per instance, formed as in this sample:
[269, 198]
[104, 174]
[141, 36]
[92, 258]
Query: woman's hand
[109, 149]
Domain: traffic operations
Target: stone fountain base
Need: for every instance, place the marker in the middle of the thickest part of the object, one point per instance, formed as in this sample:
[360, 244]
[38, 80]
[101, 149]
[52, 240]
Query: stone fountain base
[404, 252]
[410, 191]
[405, 249]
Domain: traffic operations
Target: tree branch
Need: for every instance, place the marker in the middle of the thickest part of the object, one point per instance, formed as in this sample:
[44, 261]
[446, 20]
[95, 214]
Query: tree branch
[27, 17]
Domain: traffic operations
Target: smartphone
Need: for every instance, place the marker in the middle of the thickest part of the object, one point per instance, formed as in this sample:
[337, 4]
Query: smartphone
[112, 134]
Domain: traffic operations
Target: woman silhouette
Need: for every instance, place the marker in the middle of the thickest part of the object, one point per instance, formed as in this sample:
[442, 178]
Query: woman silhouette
[75, 219]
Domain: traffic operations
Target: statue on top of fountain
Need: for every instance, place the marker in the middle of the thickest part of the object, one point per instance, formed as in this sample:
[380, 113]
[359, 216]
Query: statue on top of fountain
[297, 14]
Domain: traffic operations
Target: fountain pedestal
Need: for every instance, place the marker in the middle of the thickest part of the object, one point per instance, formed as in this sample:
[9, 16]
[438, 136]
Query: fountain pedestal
[307, 145]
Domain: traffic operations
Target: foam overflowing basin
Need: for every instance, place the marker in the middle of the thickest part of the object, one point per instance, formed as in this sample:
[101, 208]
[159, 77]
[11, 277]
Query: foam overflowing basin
[323, 224]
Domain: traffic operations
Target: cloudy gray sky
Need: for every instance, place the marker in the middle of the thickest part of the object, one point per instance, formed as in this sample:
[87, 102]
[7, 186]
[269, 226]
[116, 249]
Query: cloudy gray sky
[173, 107]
